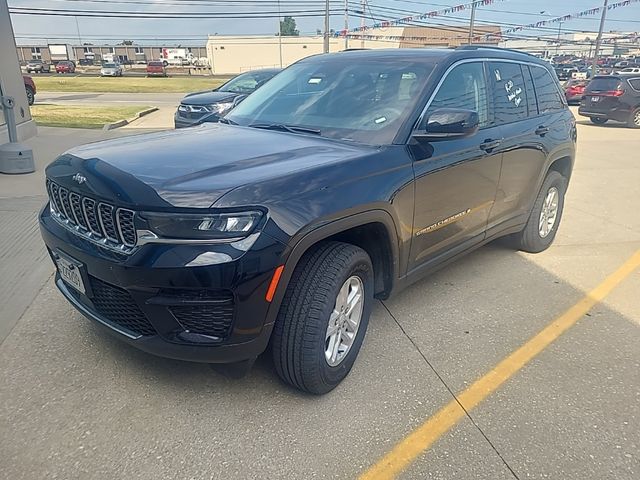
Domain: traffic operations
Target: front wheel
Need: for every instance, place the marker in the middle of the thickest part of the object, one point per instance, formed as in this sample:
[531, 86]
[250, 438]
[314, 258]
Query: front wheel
[541, 228]
[599, 120]
[323, 317]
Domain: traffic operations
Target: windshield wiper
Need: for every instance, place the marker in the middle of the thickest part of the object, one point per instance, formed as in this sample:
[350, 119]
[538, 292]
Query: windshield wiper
[226, 121]
[285, 128]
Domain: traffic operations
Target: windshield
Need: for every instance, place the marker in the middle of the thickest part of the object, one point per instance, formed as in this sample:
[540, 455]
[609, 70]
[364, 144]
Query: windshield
[247, 82]
[109, 65]
[366, 101]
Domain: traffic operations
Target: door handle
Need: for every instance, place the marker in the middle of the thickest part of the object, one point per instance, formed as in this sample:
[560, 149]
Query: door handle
[489, 144]
[542, 130]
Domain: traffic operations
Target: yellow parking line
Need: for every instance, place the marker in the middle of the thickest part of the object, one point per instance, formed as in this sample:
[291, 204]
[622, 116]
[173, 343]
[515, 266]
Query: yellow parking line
[418, 441]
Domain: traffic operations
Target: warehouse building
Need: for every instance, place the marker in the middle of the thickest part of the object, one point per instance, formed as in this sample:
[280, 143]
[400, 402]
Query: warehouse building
[229, 54]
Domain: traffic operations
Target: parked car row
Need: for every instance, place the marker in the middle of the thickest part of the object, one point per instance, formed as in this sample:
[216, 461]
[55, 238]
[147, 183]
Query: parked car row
[39, 66]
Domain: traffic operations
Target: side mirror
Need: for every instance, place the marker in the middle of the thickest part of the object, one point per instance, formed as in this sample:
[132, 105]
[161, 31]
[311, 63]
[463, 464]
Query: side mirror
[448, 123]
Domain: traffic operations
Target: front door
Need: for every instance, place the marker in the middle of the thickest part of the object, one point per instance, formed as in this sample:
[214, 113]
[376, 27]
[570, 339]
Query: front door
[455, 180]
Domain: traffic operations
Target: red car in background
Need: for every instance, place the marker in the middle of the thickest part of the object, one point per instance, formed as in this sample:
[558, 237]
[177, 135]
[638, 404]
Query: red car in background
[65, 67]
[30, 88]
[156, 68]
[574, 91]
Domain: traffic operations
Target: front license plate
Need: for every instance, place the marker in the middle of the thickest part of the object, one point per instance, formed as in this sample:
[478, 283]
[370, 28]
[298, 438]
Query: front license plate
[595, 99]
[70, 272]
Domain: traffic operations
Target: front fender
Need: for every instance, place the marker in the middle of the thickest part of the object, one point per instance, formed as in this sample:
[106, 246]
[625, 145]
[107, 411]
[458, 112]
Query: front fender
[302, 242]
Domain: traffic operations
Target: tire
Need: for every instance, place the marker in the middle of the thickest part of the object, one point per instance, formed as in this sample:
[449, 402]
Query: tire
[31, 97]
[634, 119]
[531, 239]
[599, 120]
[300, 335]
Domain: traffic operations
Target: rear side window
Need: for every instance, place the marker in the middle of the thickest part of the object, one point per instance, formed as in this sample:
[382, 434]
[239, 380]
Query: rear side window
[604, 84]
[549, 99]
[464, 87]
[509, 92]
[635, 84]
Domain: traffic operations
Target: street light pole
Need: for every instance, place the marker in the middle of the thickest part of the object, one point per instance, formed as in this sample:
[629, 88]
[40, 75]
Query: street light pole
[594, 65]
[472, 22]
[326, 27]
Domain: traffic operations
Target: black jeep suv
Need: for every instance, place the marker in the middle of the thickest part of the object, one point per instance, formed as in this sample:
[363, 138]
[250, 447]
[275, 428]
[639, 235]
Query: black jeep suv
[343, 179]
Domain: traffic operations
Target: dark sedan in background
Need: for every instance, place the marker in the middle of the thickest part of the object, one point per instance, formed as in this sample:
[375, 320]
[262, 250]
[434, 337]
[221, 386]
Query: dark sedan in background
[208, 106]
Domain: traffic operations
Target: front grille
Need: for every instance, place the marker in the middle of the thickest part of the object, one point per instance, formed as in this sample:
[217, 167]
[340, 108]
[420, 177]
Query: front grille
[117, 306]
[110, 226]
[212, 319]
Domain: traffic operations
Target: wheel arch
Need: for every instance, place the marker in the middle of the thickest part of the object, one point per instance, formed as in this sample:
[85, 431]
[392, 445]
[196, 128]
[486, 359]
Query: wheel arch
[563, 165]
[374, 231]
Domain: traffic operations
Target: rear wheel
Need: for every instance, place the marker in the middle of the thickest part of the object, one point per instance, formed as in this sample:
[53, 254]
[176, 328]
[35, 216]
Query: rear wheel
[599, 120]
[634, 119]
[323, 317]
[541, 228]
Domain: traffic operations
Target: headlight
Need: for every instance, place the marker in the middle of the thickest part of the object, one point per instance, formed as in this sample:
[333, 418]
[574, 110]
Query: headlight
[221, 108]
[202, 226]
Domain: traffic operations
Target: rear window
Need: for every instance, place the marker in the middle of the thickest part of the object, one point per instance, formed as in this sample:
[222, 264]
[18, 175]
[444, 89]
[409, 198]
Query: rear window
[546, 90]
[155, 64]
[600, 84]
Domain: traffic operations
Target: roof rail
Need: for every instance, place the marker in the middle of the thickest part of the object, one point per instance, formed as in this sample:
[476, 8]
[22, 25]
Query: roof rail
[490, 47]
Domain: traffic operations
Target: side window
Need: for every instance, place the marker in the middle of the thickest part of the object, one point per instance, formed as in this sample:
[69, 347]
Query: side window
[509, 92]
[464, 87]
[549, 99]
[635, 84]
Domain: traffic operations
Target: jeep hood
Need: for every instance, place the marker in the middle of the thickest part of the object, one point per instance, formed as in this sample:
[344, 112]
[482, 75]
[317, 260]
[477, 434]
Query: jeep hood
[192, 167]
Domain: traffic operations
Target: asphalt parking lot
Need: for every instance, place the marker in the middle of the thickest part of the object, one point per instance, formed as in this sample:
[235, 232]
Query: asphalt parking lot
[78, 404]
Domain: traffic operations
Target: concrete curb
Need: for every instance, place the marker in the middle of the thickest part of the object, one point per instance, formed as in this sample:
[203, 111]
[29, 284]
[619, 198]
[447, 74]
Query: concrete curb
[122, 123]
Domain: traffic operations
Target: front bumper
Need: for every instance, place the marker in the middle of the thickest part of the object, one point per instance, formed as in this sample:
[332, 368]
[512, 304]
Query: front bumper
[182, 122]
[157, 300]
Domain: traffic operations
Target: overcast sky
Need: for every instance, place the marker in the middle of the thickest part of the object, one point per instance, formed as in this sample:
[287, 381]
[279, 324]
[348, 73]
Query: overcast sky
[31, 29]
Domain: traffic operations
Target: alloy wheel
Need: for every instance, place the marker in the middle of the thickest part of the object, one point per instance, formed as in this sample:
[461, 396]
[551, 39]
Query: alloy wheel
[549, 212]
[344, 321]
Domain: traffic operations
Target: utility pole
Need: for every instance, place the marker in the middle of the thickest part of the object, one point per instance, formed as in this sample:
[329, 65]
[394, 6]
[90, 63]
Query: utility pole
[78, 30]
[326, 27]
[363, 5]
[472, 22]
[279, 34]
[558, 39]
[594, 65]
[346, 24]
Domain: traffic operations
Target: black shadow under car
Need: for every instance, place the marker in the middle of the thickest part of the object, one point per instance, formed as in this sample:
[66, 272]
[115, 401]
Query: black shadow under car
[343, 179]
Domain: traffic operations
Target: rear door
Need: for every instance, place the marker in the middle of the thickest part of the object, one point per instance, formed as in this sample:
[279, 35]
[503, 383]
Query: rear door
[531, 112]
[456, 179]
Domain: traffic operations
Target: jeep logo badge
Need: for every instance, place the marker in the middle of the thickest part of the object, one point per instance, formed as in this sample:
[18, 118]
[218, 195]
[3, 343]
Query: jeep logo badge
[79, 178]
